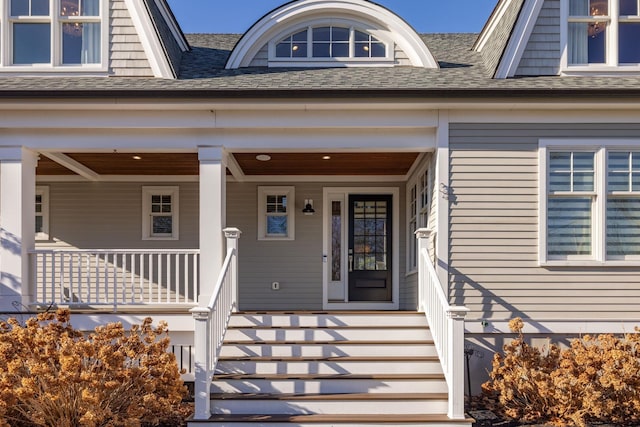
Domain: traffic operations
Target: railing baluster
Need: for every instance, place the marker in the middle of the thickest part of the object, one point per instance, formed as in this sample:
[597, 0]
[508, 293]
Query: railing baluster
[114, 277]
[446, 323]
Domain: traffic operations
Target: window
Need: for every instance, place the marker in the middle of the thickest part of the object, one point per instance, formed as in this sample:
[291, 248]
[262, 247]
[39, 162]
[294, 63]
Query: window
[276, 214]
[44, 33]
[603, 32]
[160, 213]
[42, 213]
[592, 202]
[330, 42]
[418, 205]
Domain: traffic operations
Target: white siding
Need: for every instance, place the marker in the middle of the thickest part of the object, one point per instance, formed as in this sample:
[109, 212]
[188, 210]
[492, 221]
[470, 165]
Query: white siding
[126, 54]
[493, 231]
[542, 54]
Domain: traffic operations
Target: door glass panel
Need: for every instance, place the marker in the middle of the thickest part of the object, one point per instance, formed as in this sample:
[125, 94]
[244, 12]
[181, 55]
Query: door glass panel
[336, 241]
[370, 235]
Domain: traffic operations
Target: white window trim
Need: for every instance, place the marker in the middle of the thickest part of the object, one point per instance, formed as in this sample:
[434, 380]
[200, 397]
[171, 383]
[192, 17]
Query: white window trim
[611, 65]
[147, 192]
[263, 192]
[42, 190]
[350, 61]
[600, 147]
[422, 212]
[55, 66]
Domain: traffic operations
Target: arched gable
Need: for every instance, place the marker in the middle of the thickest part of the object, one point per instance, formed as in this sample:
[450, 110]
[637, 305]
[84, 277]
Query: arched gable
[362, 15]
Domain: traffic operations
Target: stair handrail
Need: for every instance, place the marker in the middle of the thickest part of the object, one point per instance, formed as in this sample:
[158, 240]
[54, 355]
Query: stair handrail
[211, 323]
[446, 323]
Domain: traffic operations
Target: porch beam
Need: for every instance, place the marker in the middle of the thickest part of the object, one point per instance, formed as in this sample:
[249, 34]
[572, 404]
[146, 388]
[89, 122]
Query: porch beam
[235, 169]
[17, 225]
[73, 165]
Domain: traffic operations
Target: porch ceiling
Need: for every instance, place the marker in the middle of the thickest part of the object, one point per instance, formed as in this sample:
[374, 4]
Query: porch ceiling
[364, 164]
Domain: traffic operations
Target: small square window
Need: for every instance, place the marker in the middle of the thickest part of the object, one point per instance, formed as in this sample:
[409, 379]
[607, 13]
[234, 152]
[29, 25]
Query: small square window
[160, 213]
[276, 215]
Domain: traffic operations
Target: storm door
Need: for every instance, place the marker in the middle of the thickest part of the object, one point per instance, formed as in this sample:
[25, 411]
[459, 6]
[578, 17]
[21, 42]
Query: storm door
[370, 248]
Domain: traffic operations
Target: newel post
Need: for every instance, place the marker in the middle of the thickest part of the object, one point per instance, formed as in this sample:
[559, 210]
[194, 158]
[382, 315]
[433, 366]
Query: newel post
[455, 318]
[233, 235]
[423, 235]
[203, 355]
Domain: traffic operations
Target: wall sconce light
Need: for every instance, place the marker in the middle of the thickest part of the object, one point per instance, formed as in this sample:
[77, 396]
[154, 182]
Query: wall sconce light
[308, 207]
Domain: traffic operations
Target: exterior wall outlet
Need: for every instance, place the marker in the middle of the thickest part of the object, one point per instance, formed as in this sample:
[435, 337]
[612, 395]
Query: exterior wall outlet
[275, 286]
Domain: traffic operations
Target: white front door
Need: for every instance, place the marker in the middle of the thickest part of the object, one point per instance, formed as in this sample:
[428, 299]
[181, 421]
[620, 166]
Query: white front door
[341, 250]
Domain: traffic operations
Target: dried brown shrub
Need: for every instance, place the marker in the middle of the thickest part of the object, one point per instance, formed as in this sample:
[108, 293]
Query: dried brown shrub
[53, 375]
[596, 379]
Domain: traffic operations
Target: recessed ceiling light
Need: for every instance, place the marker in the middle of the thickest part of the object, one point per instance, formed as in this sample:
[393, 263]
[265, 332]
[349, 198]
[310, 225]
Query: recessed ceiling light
[263, 157]
[137, 158]
[326, 157]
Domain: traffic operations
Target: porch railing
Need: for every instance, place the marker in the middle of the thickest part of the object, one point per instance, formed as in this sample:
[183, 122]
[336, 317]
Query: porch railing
[446, 323]
[115, 278]
[211, 323]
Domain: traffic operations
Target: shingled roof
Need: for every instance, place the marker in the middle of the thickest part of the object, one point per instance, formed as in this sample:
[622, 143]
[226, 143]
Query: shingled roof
[463, 73]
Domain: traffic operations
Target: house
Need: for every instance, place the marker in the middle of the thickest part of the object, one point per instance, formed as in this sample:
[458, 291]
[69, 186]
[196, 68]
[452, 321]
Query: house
[328, 166]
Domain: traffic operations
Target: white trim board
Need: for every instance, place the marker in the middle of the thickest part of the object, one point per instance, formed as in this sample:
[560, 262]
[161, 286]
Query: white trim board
[346, 191]
[613, 326]
[519, 39]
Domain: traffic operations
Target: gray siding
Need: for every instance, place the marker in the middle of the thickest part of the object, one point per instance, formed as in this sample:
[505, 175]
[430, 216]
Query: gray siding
[108, 216]
[494, 231]
[495, 46]
[126, 54]
[542, 54]
[296, 264]
[400, 56]
[262, 57]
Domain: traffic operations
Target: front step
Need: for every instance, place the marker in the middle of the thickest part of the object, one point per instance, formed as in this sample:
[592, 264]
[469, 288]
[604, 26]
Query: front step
[329, 369]
[333, 384]
[332, 421]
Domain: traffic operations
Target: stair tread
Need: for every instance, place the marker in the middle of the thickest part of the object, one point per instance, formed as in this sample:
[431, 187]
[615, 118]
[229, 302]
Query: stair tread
[345, 342]
[332, 313]
[329, 396]
[329, 377]
[329, 328]
[328, 418]
[328, 359]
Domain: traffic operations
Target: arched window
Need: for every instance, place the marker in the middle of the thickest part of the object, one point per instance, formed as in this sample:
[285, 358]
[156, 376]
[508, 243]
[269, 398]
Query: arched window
[330, 42]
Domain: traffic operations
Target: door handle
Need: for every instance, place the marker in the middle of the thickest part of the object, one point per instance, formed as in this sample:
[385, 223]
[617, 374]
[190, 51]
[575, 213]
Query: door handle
[350, 260]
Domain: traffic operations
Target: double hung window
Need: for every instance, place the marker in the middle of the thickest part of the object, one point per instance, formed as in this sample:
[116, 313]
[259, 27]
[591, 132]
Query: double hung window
[160, 213]
[42, 213]
[418, 204]
[592, 204]
[603, 32]
[58, 33]
[276, 214]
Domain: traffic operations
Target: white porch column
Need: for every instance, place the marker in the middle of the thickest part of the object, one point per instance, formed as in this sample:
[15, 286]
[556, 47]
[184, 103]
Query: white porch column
[17, 225]
[213, 215]
[442, 204]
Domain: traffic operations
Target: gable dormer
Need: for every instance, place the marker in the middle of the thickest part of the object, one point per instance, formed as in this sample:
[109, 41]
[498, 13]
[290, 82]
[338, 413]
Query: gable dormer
[89, 37]
[330, 33]
[563, 37]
